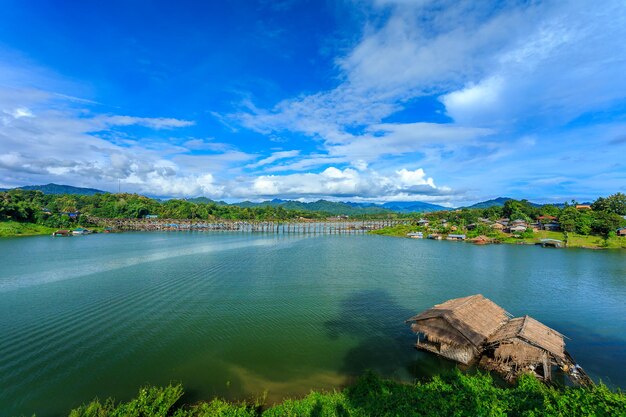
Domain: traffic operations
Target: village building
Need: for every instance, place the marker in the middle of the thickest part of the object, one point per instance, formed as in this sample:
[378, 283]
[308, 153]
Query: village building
[621, 231]
[458, 328]
[517, 229]
[546, 218]
[498, 226]
[552, 226]
[583, 207]
[423, 222]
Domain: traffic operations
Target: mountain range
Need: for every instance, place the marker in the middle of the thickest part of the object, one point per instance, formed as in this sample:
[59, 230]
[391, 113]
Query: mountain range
[58, 189]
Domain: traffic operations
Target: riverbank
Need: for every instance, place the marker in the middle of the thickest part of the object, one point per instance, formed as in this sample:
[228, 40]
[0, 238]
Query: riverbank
[573, 240]
[15, 229]
[447, 395]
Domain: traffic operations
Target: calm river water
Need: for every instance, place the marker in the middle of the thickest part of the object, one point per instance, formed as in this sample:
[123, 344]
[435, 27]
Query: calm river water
[235, 315]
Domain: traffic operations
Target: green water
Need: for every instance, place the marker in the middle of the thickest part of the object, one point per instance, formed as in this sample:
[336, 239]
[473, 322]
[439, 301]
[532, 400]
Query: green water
[235, 315]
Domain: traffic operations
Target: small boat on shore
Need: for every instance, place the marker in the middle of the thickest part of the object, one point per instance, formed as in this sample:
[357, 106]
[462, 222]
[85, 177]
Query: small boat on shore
[64, 233]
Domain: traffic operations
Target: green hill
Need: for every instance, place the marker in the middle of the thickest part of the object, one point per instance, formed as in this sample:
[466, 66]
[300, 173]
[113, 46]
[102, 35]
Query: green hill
[60, 189]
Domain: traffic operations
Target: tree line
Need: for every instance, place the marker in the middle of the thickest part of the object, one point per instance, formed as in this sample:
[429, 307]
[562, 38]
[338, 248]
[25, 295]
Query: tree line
[64, 210]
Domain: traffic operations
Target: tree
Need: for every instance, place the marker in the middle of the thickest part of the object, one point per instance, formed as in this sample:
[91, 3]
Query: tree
[605, 222]
[584, 223]
[569, 218]
[549, 210]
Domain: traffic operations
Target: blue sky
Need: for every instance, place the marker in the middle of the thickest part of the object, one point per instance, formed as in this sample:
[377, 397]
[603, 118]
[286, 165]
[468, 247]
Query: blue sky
[448, 102]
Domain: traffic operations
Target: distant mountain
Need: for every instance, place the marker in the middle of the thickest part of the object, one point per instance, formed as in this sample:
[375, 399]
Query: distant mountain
[205, 200]
[60, 189]
[497, 202]
[413, 207]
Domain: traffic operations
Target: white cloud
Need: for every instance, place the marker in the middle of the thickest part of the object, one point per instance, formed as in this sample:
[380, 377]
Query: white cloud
[59, 145]
[21, 112]
[569, 62]
[275, 156]
[151, 122]
[463, 105]
[345, 183]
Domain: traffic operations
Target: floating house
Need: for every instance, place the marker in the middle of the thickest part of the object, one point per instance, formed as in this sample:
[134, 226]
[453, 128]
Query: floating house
[458, 328]
[79, 231]
[415, 235]
[434, 236]
[525, 345]
[62, 233]
[455, 237]
[466, 329]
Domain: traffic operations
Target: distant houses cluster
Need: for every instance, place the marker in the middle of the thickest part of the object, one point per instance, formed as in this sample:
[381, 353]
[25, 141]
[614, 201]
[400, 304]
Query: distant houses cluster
[518, 225]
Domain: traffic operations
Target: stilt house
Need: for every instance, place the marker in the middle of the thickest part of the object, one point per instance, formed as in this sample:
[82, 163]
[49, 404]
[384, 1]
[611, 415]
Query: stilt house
[458, 328]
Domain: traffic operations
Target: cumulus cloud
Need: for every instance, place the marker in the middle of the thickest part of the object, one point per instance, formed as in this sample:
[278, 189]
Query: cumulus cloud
[46, 137]
[339, 183]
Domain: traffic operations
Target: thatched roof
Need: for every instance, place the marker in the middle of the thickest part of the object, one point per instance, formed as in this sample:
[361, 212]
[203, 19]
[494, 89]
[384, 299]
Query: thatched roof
[533, 332]
[469, 319]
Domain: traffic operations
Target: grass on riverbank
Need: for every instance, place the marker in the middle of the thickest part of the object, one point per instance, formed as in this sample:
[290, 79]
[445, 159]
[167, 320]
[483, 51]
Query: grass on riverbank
[573, 240]
[455, 394]
[12, 229]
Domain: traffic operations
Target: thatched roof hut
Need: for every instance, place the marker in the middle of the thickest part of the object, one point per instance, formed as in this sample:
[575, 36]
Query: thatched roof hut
[458, 328]
[525, 344]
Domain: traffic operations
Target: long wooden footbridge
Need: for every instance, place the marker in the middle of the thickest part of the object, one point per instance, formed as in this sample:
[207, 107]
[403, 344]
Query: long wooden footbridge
[276, 227]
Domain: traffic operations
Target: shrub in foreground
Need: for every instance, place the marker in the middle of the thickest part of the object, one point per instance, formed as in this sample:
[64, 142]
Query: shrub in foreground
[456, 394]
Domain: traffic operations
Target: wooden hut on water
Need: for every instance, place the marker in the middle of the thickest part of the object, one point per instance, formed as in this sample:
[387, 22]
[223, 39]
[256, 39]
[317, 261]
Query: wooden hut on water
[464, 329]
[458, 328]
[523, 344]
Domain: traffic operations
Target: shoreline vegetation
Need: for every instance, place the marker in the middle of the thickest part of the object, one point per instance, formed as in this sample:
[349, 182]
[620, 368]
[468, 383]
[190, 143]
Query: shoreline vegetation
[451, 394]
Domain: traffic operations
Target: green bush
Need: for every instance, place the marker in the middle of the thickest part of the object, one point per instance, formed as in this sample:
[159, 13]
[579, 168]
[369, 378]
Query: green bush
[454, 394]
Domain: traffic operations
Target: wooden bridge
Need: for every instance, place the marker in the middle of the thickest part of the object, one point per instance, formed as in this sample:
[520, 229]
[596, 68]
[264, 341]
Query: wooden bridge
[276, 227]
